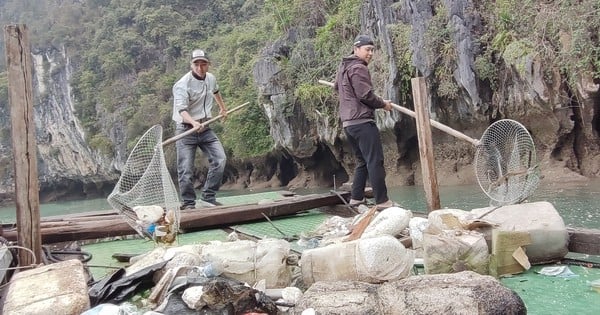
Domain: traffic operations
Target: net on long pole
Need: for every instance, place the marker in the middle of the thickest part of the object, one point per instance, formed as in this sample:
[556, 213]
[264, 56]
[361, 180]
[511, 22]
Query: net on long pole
[145, 194]
[505, 163]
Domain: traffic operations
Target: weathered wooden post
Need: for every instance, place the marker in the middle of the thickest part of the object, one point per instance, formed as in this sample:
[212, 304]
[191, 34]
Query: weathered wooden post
[430, 184]
[20, 96]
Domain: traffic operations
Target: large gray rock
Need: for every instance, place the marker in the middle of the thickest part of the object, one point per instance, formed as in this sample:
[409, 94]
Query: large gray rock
[340, 297]
[459, 293]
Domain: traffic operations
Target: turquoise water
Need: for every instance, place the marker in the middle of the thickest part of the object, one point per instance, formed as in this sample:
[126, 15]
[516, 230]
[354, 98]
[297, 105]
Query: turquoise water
[541, 294]
[8, 213]
[578, 203]
[557, 295]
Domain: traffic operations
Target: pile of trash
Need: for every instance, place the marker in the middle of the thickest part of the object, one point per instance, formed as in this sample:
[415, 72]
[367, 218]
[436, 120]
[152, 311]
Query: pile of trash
[371, 258]
[156, 223]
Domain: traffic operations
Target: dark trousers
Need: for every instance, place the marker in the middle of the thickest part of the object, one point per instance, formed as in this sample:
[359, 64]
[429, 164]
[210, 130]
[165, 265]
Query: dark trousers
[210, 145]
[368, 151]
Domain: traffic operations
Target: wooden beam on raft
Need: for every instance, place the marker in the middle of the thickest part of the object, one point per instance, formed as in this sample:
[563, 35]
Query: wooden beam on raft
[20, 96]
[586, 241]
[430, 184]
[218, 216]
[103, 224]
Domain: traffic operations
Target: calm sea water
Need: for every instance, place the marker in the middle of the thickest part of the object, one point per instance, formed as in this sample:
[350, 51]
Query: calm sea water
[578, 203]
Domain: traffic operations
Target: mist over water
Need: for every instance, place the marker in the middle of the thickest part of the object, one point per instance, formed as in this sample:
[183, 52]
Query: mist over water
[578, 203]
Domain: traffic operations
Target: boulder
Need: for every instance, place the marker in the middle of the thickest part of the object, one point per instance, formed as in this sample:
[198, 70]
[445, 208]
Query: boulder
[459, 293]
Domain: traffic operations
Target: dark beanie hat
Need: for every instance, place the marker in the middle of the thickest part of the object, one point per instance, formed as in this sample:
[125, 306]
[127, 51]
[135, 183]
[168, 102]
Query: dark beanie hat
[362, 40]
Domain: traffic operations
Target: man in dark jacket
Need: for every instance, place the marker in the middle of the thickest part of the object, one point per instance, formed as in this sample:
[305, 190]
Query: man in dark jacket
[358, 103]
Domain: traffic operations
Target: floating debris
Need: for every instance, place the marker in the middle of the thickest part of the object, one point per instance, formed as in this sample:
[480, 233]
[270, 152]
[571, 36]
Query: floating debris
[558, 271]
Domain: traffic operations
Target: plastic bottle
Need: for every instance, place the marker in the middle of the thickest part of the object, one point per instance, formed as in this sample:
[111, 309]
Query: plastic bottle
[210, 269]
[151, 228]
[104, 308]
[127, 308]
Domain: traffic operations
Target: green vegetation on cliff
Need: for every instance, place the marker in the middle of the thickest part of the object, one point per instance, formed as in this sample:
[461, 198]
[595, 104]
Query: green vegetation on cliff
[128, 53]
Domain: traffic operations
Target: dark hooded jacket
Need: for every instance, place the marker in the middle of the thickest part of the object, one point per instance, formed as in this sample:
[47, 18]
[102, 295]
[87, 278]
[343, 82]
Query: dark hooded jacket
[357, 99]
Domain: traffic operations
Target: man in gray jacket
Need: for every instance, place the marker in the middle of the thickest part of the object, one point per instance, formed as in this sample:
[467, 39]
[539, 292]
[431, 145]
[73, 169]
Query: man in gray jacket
[358, 103]
[193, 97]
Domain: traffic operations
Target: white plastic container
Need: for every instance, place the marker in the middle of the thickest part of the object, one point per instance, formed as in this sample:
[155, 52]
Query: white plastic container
[372, 260]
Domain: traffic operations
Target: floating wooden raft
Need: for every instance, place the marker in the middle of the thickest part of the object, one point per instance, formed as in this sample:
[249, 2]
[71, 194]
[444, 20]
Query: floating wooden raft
[103, 224]
[585, 241]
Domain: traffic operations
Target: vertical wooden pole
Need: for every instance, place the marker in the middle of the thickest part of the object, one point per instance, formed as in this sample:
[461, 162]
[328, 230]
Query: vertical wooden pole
[20, 96]
[430, 184]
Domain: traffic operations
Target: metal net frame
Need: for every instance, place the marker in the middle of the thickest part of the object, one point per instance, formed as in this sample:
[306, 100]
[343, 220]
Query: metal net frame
[506, 164]
[145, 181]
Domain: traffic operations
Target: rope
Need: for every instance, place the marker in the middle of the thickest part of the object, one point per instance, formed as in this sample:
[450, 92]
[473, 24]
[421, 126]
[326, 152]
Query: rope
[488, 212]
[50, 255]
[34, 264]
[579, 262]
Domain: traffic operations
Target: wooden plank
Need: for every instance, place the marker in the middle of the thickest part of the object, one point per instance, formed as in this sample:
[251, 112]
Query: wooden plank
[87, 230]
[194, 219]
[585, 241]
[84, 227]
[20, 95]
[359, 228]
[430, 184]
[91, 214]
[521, 257]
[94, 215]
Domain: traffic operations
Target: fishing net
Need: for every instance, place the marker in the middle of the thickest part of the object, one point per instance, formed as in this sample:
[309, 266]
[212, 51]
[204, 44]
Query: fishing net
[505, 163]
[145, 194]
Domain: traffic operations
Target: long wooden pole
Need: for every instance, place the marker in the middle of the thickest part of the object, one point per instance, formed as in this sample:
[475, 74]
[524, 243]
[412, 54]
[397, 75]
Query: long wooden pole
[20, 95]
[435, 124]
[183, 134]
[430, 183]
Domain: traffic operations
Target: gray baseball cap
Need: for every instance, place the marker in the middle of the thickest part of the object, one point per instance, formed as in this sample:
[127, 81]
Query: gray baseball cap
[362, 40]
[199, 54]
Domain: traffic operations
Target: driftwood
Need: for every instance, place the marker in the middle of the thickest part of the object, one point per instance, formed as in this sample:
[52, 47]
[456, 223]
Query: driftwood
[359, 228]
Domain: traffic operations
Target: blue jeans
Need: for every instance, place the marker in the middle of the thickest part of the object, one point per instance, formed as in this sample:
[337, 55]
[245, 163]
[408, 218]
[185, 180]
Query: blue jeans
[208, 142]
[368, 151]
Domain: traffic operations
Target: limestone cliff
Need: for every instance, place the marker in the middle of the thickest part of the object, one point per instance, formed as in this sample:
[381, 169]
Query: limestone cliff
[67, 167]
[562, 119]
[452, 43]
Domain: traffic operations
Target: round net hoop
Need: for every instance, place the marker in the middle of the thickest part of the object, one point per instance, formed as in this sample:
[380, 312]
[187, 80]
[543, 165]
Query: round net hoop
[505, 163]
[145, 194]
